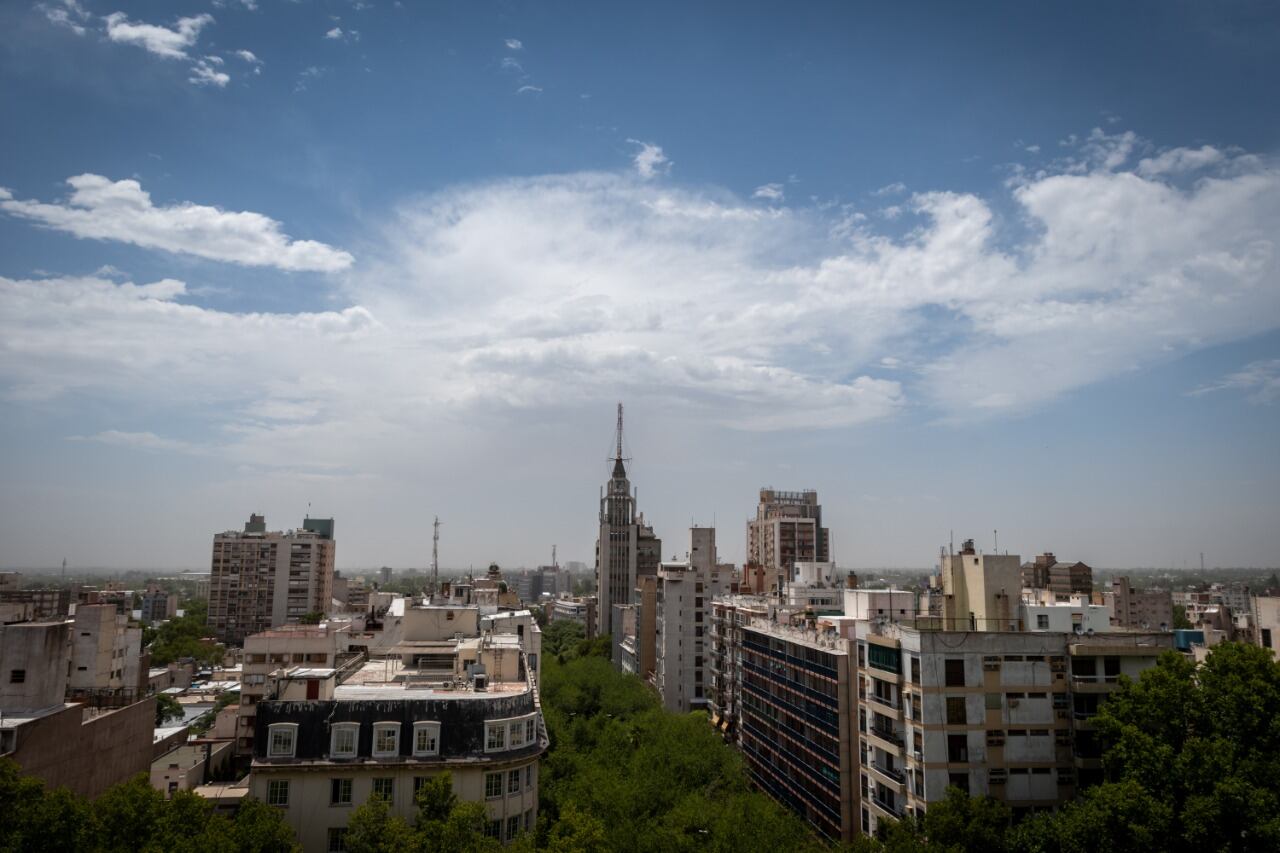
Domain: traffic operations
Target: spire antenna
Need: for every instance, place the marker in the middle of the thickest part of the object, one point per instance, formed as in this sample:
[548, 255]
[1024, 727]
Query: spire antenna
[435, 556]
[619, 454]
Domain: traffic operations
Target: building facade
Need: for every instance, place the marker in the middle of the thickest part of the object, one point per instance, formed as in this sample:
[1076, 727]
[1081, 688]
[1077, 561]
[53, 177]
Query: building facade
[261, 580]
[787, 528]
[681, 610]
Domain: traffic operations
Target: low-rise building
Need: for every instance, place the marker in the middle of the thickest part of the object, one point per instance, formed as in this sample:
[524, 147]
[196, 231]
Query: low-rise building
[279, 649]
[189, 766]
[1139, 610]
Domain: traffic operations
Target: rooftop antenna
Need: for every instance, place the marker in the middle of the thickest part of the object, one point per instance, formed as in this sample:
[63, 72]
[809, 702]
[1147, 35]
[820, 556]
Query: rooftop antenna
[64, 566]
[554, 564]
[995, 534]
[435, 556]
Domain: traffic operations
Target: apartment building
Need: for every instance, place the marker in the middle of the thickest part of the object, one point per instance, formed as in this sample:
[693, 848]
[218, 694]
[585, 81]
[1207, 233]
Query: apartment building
[682, 602]
[106, 655]
[158, 605]
[1139, 610]
[729, 613]
[1266, 622]
[796, 734]
[261, 580]
[787, 528]
[1047, 572]
[447, 697]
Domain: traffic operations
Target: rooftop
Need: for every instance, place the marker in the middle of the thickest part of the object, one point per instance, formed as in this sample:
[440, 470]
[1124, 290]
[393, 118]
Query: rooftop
[390, 679]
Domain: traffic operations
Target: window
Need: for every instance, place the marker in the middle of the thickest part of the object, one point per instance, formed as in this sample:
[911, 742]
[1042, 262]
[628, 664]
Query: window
[342, 743]
[495, 736]
[278, 792]
[418, 782]
[528, 776]
[280, 740]
[994, 701]
[386, 739]
[513, 826]
[957, 747]
[492, 785]
[955, 672]
[426, 738]
[384, 788]
[515, 735]
[955, 711]
[338, 839]
[530, 729]
[1042, 620]
[493, 828]
[915, 670]
[1111, 667]
[959, 780]
[17, 676]
[339, 792]
[513, 782]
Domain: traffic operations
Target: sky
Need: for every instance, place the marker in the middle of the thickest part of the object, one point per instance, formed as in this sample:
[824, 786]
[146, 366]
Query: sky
[961, 268]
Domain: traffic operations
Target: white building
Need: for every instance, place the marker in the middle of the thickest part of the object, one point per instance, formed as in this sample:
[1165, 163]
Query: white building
[682, 621]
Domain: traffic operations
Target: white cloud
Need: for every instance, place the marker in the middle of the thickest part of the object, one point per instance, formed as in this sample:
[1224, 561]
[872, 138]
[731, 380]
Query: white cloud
[1260, 378]
[162, 41]
[139, 441]
[66, 13]
[510, 63]
[1178, 160]
[770, 192]
[580, 289]
[249, 56]
[335, 33]
[204, 72]
[649, 160]
[528, 89]
[102, 209]
[513, 44]
[895, 188]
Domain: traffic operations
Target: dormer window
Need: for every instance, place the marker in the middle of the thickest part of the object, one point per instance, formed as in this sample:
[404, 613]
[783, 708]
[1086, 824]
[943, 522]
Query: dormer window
[426, 739]
[282, 740]
[386, 740]
[344, 740]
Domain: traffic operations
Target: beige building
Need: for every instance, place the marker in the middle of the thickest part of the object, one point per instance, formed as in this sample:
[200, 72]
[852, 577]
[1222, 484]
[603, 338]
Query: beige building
[450, 697]
[787, 528]
[981, 592]
[64, 743]
[189, 766]
[1266, 622]
[682, 619]
[261, 580]
[278, 650]
[106, 655]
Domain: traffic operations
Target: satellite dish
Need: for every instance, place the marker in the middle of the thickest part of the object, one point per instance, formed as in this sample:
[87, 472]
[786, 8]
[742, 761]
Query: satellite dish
[1146, 624]
[1089, 632]
[1079, 630]
[1164, 626]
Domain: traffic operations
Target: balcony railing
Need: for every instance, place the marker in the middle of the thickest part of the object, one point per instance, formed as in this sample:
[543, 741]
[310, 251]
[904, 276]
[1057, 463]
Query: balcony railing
[887, 806]
[884, 700]
[887, 734]
[1095, 679]
[895, 775]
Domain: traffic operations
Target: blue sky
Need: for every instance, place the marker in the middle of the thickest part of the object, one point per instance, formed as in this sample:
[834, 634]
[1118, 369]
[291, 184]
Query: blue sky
[959, 267]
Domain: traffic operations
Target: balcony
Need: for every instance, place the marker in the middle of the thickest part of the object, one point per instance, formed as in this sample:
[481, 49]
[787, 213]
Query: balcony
[886, 806]
[887, 735]
[895, 776]
[1094, 683]
[885, 701]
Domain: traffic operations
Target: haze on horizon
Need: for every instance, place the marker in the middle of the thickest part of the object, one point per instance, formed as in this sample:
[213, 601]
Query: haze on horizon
[958, 269]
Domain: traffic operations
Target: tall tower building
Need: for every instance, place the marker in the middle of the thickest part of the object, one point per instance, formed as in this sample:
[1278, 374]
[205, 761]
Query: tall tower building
[260, 580]
[627, 548]
[787, 528]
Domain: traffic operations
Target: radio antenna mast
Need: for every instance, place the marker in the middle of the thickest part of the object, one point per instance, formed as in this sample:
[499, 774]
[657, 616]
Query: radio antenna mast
[435, 556]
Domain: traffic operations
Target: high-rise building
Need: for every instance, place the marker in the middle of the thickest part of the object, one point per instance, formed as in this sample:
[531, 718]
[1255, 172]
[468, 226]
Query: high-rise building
[627, 547]
[1060, 578]
[682, 622]
[1139, 610]
[787, 528]
[261, 580]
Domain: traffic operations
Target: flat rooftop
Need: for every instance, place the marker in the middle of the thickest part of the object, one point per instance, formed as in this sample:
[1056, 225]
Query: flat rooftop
[388, 679]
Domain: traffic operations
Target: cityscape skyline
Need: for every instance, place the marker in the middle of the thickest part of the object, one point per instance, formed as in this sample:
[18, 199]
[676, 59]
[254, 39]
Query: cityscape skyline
[955, 269]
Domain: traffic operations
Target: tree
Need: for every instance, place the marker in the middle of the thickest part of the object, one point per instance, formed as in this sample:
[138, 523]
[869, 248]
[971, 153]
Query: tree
[314, 617]
[1179, 619]
[373, 829]
[167, 708]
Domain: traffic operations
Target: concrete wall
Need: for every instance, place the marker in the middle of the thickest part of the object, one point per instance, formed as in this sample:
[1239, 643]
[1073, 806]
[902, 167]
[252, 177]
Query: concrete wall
[33, 665]
[88, 757]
